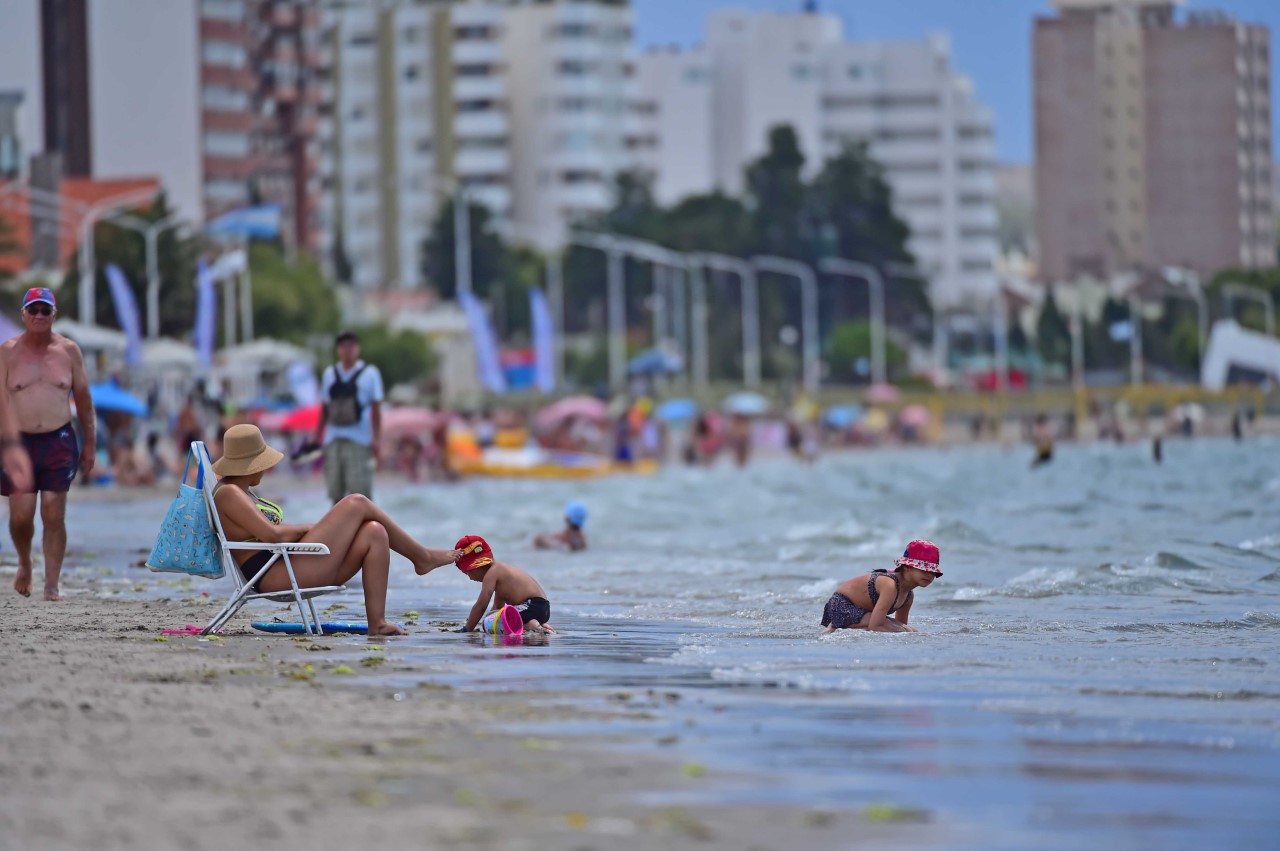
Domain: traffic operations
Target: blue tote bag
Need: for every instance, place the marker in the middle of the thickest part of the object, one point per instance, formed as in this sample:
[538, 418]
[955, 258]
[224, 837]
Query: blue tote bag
[187, 542]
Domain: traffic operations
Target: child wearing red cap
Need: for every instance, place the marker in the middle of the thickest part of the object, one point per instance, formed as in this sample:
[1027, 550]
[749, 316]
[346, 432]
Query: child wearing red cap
[867, 601]
[505, 584]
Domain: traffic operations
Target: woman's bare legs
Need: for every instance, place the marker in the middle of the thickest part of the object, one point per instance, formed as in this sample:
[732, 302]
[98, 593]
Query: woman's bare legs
[338, 528]
[369, 554]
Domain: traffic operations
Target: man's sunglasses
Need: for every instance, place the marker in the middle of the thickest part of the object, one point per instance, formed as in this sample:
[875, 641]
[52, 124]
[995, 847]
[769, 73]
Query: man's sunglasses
[40, 310]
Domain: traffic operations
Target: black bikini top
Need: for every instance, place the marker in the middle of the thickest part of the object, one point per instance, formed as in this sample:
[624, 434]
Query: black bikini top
[897, 589]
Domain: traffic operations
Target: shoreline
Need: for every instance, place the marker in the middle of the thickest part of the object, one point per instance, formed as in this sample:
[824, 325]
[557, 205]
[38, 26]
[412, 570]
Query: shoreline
[116, 739]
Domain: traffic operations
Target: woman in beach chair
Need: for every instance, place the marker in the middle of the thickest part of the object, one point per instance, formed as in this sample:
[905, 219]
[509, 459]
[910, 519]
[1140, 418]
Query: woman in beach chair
[359, 534]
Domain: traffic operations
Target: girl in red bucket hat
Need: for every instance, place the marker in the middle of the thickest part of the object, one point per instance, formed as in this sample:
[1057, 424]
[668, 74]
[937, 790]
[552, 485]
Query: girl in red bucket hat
[867, 601]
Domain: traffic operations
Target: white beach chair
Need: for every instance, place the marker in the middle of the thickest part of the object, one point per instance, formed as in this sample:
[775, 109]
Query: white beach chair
[244, 589]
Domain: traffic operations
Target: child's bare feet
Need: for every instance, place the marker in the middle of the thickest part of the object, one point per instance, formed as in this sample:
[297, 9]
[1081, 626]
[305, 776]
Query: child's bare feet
[437, 558]
[22, 582]
[386, 628]
[51, 595]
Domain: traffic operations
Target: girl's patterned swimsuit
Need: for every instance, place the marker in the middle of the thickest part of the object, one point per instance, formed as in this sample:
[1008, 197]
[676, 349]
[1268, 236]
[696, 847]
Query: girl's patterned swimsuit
[842, 613]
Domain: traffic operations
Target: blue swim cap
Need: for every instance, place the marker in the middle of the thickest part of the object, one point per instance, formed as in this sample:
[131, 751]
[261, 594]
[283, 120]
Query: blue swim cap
[576, 513]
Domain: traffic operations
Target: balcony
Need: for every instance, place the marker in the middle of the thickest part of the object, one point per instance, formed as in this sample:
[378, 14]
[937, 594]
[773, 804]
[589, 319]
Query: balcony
[477, 52]
[481, 124]
[478, 88]
[481, 161]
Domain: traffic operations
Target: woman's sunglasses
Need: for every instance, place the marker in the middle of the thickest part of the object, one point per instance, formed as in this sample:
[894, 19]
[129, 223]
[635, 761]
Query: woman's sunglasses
[40, 310]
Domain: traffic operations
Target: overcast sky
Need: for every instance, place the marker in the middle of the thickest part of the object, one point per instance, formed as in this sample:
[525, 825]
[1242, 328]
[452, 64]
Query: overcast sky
[990, 41]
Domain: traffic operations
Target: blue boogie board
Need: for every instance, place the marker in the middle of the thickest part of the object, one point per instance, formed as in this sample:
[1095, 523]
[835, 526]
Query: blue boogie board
[301, 629]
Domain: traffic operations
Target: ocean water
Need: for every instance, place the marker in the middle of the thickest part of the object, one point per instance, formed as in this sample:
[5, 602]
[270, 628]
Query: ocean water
[1099, 666]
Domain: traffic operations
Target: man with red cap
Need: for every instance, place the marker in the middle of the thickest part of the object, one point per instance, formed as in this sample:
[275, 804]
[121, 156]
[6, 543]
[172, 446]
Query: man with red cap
[41, 371]
[505, 584]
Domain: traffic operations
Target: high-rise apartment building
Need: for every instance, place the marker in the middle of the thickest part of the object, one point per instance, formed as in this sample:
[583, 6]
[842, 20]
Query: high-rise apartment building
[260, 91]
[920, 119]
[1153, 140]
[521, 108]
[569, 70]
[216, 98]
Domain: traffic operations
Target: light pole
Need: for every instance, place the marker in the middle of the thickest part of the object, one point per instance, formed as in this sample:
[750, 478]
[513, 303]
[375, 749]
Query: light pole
[461, 239]
[1232, 290]
[1135, 340]
[150, 237]
[1190, 280]
[746, 273]
[808, 309]
[853, 269]
[941, 340]
[616, 288]
[88, 305]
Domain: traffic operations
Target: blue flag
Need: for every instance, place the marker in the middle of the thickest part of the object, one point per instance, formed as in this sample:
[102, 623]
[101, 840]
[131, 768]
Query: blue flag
[258, 222]
[127, 313]
[544, 342]
[488, 363]
[206, 314]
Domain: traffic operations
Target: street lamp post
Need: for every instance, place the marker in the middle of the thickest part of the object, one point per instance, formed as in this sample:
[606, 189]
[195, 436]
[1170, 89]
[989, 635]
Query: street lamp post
[616, 289]
[808, 309]
[854, 269]
[461, 239]
[1135, 340]
[1190, 280]
[150, 237]
[750, 309]
[88, 305]
[1232, 290]
[941, 340]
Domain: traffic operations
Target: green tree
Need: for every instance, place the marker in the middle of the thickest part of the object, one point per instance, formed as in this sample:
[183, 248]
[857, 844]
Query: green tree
[850, 342]
[1053, 335]
[488, 252]
[778, 196]
[852, 203]
[291, 302]
[403, 357]
[176, 256]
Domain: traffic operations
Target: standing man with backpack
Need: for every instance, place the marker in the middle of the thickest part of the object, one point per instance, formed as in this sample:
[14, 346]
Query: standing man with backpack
[350, 420]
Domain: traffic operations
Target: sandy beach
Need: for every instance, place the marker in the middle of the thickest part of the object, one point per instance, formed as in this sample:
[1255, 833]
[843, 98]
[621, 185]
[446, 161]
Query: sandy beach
[115, 738]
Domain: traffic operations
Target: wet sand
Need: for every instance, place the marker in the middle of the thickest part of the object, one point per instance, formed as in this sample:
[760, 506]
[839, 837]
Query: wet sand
[113, 738]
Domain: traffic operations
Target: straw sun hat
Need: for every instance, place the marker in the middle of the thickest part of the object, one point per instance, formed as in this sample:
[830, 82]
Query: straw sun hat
[244, 452]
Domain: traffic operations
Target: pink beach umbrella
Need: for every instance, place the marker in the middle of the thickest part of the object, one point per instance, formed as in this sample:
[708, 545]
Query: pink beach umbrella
[882, 394]
[586, 407]
[411, 422]
[915, 416]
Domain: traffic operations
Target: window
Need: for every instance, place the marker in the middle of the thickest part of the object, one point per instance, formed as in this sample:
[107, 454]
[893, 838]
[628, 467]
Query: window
[226, 54]
[473, 32]
[574, 67]
[475, 69]
[976, 265]
[362, 39]
[801, 72]
[695, 75]
[226, 144]
[409, 35]
[223, 10]
[573, 30]
[226, 191]
[224, 99]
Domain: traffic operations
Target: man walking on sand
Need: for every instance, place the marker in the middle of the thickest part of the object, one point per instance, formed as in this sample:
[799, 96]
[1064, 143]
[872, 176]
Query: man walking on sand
[41, 371]
[350, 421]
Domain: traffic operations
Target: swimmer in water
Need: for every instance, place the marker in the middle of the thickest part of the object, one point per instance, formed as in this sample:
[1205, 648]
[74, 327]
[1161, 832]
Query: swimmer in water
[1042, 436]
[571, 537]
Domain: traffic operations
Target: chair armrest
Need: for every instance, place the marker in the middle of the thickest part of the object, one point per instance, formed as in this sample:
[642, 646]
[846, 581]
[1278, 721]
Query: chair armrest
[297, 548]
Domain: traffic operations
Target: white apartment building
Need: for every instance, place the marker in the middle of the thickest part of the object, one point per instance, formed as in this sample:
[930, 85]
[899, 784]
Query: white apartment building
[521, 107]
[381, 140]
[919, 117]
[569, 73]
[673, 142]
[934, 140]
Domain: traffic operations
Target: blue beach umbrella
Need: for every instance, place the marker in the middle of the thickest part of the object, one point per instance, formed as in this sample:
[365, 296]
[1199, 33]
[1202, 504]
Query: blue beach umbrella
[112, 398]
[842, 416]
[747, 403]
[676, 410]
[655, 362]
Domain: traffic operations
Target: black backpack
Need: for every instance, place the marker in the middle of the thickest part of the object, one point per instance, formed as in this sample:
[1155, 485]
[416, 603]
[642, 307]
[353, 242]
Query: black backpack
[344, 402]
